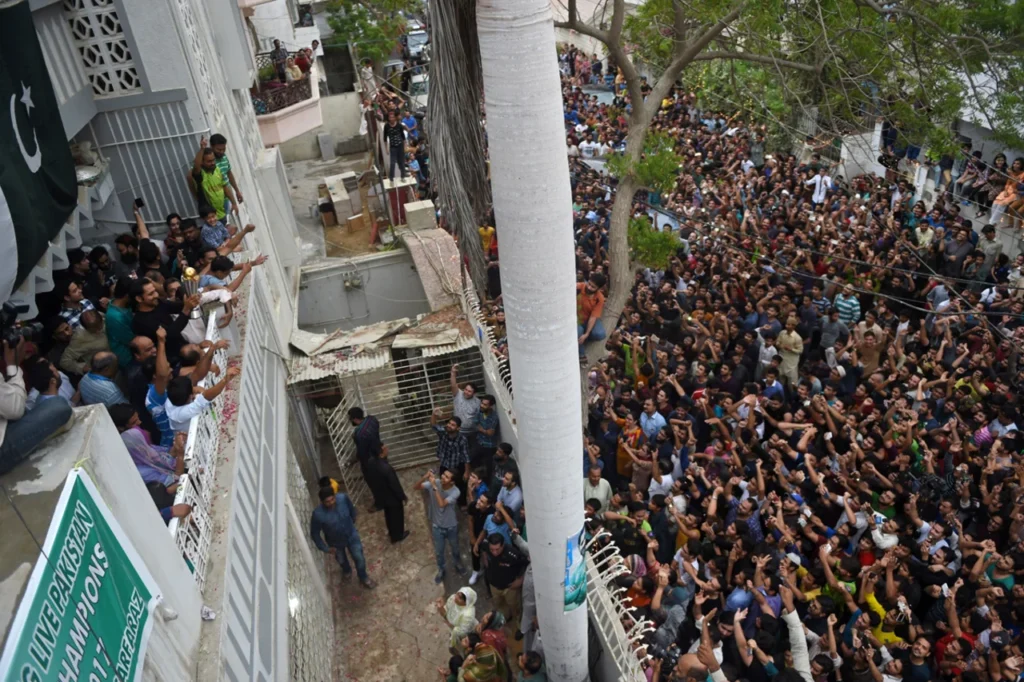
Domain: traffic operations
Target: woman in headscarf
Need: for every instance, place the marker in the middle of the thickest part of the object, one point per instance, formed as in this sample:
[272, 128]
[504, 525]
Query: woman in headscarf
[491, 631]
[156, 464]
[460, 613]
[160, 469]
[483, 663]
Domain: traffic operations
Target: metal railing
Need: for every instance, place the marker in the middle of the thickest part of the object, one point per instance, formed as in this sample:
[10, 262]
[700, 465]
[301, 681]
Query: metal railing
[495, 365]
[193, 533]
[270, 100]
[402, 394]
[611, 616]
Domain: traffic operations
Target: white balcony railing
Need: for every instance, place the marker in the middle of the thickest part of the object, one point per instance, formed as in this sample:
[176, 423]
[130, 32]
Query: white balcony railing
[495, 365]
[193, 533]
[620, 635]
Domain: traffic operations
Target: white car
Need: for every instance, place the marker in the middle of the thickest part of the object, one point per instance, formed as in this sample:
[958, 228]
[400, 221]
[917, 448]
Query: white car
[419, 89]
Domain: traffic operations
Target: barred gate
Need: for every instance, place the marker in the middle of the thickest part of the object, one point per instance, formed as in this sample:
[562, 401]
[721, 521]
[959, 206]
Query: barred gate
[340, 429]
[402, 394]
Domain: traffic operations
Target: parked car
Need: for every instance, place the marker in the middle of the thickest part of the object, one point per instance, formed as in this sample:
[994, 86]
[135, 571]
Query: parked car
[414, 41]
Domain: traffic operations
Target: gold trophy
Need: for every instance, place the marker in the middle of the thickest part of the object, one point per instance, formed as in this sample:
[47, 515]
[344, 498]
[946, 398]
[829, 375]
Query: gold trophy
[190, 283]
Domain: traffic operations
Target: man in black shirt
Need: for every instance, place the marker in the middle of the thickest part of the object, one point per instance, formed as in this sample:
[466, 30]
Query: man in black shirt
[151, 313]
[505, 568]
[394, 134]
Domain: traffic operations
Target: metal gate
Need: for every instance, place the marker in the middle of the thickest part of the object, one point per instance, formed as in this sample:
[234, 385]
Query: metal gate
[340, 429]
[402, 394]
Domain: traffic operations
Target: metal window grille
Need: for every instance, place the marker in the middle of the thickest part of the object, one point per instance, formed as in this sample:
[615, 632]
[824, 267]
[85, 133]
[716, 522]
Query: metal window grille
[495, 364]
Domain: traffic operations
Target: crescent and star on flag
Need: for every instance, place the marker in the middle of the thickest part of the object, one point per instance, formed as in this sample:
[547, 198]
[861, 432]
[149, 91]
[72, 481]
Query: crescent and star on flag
[34, 161]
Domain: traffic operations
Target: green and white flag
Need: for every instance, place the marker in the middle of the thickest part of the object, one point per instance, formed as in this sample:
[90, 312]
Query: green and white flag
[38, 190]
[88, 607]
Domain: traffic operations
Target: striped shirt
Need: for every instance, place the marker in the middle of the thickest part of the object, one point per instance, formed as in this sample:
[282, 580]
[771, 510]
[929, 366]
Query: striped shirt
[849, 309]
[224, 165]
[97, 389]
[155, 404]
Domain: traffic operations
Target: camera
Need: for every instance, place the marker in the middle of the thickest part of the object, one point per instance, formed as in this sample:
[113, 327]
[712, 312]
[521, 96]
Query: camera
[669, 655]
[11, 332]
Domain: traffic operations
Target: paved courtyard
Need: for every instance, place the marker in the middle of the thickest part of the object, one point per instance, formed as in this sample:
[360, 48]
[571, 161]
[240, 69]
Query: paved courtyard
[394, 633]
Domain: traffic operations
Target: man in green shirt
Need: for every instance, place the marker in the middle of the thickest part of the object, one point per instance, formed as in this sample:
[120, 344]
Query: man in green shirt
[119, 322]
[219, 145]
[208, 183]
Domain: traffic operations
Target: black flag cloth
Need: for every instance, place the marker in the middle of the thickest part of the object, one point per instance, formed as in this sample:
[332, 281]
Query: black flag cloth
[37, 174]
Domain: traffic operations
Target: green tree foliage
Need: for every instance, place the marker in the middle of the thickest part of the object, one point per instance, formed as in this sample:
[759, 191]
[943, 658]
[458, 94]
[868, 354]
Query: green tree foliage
[649, 247]
[372, 27]
[839, 64]
[656, 169]
[918, 63]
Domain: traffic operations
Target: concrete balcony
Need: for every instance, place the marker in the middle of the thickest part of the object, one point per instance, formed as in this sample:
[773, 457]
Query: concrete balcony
[249, 4]
[285, 112]
[34, 487]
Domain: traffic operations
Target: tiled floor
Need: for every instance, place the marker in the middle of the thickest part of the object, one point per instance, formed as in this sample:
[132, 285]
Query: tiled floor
[394, 633]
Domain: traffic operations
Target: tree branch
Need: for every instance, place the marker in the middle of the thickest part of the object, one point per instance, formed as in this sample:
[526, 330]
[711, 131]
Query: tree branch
[671, 73]
[573, 23]
[618, 19]
[761, 59]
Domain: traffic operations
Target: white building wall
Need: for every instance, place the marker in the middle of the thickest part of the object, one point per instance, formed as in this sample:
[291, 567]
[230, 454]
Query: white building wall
[161, 55]
[275, 20]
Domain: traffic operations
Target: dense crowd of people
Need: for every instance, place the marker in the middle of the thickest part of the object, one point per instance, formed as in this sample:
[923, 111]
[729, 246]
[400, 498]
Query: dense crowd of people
[802, 438]
[118, 331]
[801, 433]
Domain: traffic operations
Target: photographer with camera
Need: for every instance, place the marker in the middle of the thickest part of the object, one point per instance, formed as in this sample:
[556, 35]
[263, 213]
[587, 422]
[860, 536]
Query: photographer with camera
[20, 431]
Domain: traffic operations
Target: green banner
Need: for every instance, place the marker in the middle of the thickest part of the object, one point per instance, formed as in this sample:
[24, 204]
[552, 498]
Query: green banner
[87, 610]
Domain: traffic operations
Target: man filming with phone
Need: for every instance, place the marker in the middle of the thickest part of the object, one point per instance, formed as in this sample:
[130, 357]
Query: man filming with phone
[23, 431]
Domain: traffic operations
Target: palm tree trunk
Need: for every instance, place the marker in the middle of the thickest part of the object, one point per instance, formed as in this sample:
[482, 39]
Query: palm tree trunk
[533, 206]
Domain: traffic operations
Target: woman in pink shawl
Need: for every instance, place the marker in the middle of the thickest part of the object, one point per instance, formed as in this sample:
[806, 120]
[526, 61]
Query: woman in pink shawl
[160, 469]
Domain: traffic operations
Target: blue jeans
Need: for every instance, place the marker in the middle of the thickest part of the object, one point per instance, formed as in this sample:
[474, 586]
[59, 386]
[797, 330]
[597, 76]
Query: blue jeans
[451, 537]
[26, 434]
[355, 548]
[596, 334]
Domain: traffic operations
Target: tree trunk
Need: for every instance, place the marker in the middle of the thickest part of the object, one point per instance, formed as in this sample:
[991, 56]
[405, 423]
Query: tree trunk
[533, 205]
[620, 280]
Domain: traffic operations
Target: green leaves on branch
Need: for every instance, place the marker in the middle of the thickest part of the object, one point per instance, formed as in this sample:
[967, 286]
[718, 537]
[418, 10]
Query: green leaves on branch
[371, 27]
[650, 247]
[657, 168]
[842, 64]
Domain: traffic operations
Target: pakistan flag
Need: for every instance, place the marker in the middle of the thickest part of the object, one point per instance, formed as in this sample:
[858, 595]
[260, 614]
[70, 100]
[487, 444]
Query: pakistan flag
[37, 175]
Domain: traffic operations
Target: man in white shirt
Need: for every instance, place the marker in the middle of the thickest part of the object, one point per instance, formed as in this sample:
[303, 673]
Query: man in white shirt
[822, 183]
[20, 431]
[597, 488]
[588, 147]
[182, 404]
